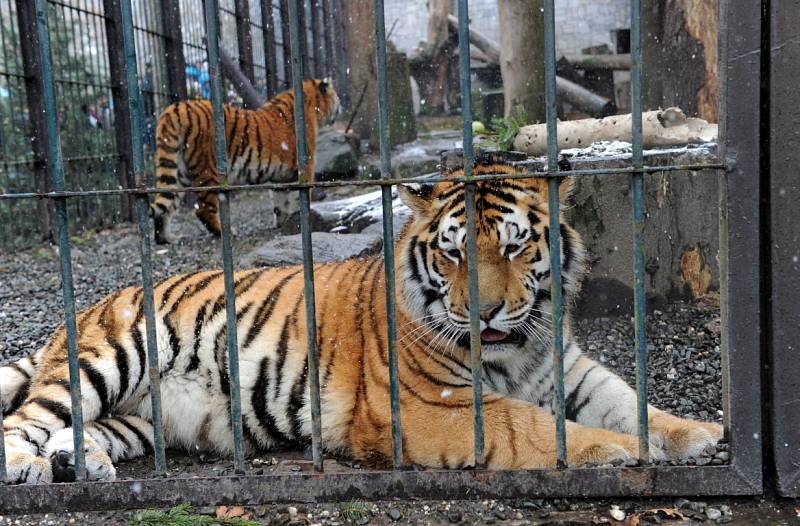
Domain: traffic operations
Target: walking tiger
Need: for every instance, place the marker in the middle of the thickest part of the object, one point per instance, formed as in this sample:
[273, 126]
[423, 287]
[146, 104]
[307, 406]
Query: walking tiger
[261, 148]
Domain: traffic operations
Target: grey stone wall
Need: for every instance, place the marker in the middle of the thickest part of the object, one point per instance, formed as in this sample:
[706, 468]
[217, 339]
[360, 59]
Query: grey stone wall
[579, 23]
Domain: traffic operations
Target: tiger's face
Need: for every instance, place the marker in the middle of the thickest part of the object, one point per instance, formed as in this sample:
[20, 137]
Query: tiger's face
[321, 95]
[513, 263]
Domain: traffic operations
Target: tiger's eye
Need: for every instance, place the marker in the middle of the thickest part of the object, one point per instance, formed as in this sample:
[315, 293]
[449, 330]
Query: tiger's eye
[510, 249]
[454, 253]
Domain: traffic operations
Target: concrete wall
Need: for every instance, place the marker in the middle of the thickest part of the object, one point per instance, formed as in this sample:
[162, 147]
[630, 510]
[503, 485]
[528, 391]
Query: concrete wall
[579, 23]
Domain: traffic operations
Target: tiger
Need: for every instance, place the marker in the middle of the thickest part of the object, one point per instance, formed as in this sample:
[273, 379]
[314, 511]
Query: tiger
[433, 356]
[260, 143]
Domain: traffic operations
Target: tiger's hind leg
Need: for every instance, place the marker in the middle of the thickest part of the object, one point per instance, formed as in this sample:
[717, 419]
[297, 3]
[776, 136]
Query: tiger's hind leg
[207, 207]
[106, 441]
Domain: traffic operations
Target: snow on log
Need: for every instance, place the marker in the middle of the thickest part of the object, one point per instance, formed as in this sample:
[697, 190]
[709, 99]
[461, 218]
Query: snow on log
[660, 128]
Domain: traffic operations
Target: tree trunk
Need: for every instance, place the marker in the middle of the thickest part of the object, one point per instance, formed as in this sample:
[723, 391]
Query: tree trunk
[441, 47]
[521, 56]
[680, 56]
[360, 29]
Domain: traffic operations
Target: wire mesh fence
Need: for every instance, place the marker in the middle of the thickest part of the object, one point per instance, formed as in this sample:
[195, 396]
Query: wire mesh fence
[202, 43]
[172, 64]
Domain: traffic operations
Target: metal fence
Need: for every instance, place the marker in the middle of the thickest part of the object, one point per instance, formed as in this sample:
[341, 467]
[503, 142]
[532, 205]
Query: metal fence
[740, 278]
[88, 61]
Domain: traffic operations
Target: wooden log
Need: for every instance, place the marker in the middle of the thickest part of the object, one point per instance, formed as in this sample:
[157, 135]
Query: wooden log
[580, 97]
[660, 128]
[251, 97]
[583, 99]
[620, 62]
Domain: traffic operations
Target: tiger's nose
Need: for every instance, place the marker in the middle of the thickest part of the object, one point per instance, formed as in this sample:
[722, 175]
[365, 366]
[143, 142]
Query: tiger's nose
[488, 311]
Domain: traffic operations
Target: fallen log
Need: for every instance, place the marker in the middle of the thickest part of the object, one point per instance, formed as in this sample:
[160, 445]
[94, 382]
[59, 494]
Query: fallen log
[583, 99]
[659, 128]
[612, 62]
[580, 97]
[251, 97]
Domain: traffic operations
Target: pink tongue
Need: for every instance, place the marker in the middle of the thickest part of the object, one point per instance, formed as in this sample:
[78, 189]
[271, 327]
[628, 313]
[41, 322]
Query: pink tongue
[492, 335]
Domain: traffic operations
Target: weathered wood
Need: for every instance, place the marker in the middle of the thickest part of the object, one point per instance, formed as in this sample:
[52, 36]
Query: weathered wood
[530, 87]
[360, 30]
[660, 128]
[251, 97]
[613, 62]
[583, 99]
[521, 56]
[680, 36]
[479, 40]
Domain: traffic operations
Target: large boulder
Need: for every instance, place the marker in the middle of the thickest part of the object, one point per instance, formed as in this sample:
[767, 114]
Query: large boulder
[288, 250]
[335, 156]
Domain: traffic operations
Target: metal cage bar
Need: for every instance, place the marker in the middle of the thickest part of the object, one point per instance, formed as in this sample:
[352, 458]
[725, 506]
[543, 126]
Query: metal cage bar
[142, 214]
[57, 177]
[554, 238]
[739, 269]
[212, 31]
[471, 244]
[295, 6]
[388, 234]
[637, 195]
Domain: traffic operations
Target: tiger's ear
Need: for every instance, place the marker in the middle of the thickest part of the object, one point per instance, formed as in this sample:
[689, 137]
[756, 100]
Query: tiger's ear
[417, 196]
[566, 188]
[324, 84]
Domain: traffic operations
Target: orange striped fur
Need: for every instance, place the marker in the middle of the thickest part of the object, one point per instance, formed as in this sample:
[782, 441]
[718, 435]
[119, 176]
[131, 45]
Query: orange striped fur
[261, 148]
[432, 345]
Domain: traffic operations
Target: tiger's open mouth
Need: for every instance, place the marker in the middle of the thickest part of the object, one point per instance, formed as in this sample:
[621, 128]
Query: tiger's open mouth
[494, 337]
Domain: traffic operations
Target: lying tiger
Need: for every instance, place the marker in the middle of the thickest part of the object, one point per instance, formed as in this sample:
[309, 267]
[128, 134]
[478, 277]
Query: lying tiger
[433, 331]
[261, 148]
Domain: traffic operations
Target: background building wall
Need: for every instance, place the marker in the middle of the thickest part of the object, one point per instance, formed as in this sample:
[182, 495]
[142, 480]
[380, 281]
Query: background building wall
[579, 23]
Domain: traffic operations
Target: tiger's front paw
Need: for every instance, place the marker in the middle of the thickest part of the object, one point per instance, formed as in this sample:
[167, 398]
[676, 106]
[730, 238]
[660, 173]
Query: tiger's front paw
[26, 468]
[598, 446]
[60, 451]
[684, 438]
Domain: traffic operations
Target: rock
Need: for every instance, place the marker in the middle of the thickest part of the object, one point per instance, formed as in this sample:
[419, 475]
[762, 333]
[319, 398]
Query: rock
[318, 223]
[616, 513]
[288, 250]
[454, 517]
[414, 161]
[713, 514]
[394, 514]
[335, 156]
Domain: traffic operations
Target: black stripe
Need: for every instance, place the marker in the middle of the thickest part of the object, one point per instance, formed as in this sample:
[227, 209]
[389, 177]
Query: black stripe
[119, 437]
[19, 369]
[572, 409]
[258, 400]
[121, 359]
[147, 447]
[174, 341]
[169, 290]
[296, 402]
[56, 408]
[199, 322]
[282, 349]
[264, 311]
[98, 382]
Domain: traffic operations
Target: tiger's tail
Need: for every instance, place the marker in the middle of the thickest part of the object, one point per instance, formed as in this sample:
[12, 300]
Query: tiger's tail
[15, 382]
[169, 142]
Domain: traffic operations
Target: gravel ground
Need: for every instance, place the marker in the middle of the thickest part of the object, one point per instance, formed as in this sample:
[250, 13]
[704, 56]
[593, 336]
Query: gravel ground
[683, 370]
[535, 512]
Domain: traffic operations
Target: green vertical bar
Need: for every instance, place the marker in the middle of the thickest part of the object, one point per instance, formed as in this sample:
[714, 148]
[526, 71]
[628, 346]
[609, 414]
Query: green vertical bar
[472, 249]
[212, 31]
[388, 235]
[142, 206]
[57, 176]
[637, 194]
[305, 226]
[555, 233]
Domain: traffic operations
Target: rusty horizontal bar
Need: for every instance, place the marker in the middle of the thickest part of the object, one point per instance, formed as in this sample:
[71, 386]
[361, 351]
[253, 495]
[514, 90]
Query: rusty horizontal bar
[433, 484]
[377, 182]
